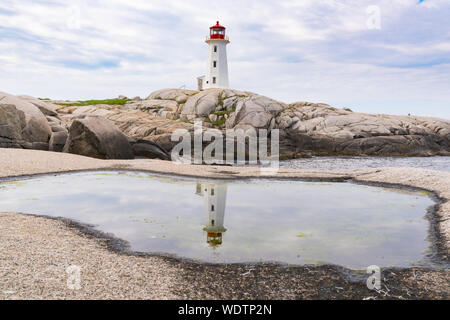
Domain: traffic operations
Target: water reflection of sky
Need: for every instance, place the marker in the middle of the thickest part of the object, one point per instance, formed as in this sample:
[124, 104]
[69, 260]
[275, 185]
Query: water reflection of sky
[439, 163]
[286, 221]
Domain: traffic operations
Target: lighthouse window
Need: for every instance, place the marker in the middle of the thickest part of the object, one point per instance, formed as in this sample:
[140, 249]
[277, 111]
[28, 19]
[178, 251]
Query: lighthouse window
[212, 223]
[212, 191]
[212, 207]
[215, 48]
[214, 64]
[214, 79]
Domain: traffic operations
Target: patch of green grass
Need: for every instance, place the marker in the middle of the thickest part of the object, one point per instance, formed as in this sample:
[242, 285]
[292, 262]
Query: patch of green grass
[219, 123]
[223, 112]
[44, 99]
[221, 98]
[94, 102]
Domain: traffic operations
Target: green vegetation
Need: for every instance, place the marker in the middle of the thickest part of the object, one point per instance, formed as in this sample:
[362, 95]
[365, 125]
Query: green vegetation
[223, 112]
[46, 99]
[14, 183]
[221, 98]
[218, 124]
[220, 115]
[94, 102]
[186, 121]
[426, 193]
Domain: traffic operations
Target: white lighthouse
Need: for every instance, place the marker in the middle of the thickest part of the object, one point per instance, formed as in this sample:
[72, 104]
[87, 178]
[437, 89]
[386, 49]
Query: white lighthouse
[215, 197]
[217, 65]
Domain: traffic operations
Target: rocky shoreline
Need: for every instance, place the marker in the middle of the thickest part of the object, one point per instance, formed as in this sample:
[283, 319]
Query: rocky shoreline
[143, 127]
[36, 250]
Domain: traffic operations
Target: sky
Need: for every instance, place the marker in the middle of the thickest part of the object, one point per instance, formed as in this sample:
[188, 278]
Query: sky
[375, 56]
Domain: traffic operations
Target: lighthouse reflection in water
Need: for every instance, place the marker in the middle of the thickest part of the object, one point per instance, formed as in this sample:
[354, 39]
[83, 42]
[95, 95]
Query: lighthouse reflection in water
[214, 197]
[293, 222]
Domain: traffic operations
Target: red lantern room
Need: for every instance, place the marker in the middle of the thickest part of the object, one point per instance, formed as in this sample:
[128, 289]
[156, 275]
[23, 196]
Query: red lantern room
[217, 31]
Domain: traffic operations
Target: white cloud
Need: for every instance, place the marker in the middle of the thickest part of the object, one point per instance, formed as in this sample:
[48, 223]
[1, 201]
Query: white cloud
[289, 50]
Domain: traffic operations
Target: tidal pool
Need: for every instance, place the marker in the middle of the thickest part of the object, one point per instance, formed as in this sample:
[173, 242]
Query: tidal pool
[290, 222]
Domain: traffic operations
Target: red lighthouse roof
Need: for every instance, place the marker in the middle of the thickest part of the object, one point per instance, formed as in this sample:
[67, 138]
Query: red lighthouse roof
[217, 32]
[217, 26]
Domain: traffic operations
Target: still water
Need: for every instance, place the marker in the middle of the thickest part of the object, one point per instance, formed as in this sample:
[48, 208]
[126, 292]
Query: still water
[439, 163]
[242, 221]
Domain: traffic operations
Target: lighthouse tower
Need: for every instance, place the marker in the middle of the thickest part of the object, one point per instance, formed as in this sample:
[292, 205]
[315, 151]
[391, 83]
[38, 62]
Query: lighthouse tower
[215, 197]
[217, 65]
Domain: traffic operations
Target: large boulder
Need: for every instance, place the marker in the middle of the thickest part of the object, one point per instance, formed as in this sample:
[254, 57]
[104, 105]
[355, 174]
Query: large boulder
[97, 137]
[47, 108]
[256, 111]
[136, 124]
[31, 131]
[36, 126]
[201, 104]
[212, 101]
[12, 123]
